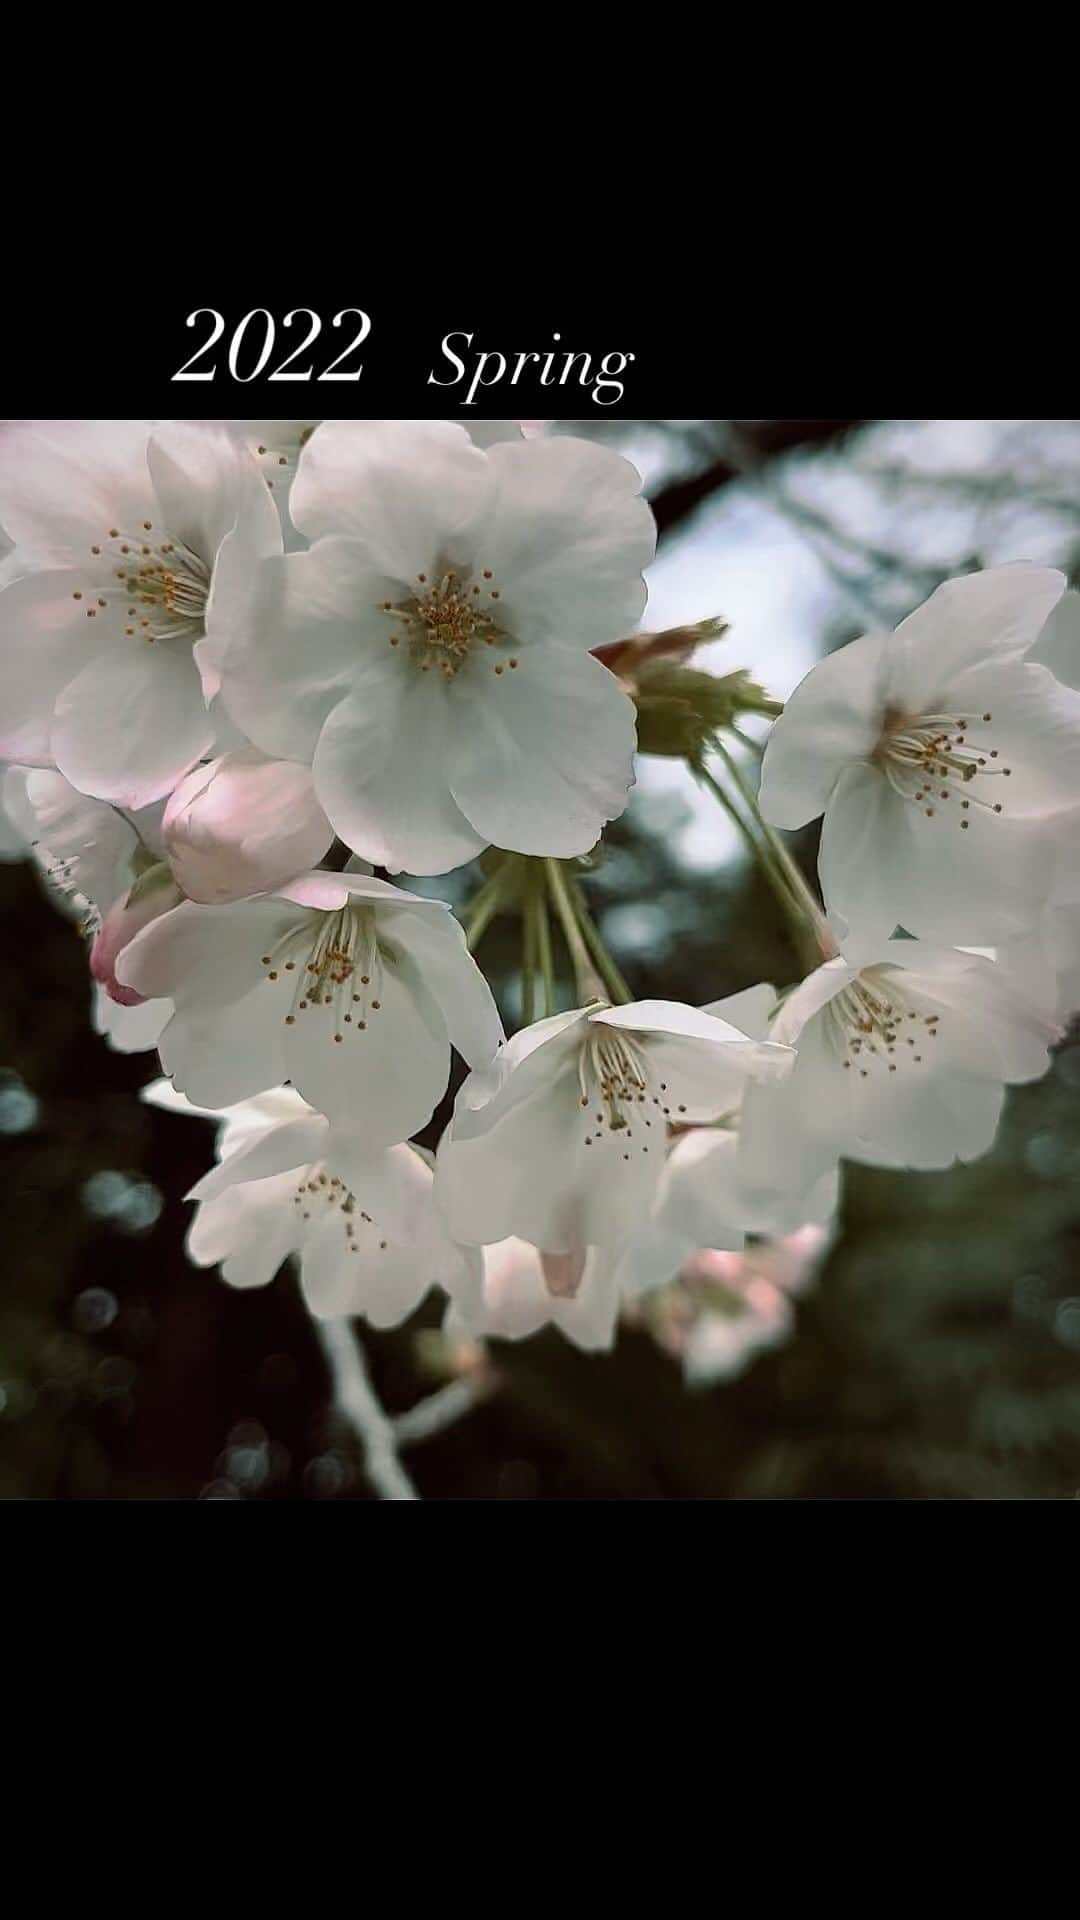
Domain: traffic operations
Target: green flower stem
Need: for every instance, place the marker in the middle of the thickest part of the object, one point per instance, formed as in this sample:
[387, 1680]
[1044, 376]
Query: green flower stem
[616, 985]
[802, 893]
[588, 982]
[528, 953]
[543, 943]
[484, 905]
[804, 914]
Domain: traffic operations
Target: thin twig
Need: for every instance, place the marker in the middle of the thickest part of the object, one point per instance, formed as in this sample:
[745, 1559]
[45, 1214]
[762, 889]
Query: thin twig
[441, 1409]
[356, 1400]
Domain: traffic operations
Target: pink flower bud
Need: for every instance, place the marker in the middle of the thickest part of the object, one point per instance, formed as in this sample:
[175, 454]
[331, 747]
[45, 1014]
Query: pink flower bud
[154, 892]
[243, 824]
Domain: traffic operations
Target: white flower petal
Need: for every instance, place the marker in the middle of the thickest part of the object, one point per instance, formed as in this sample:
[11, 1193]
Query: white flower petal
[278, 1149]
[65, 483]
[249, 1231]
[204, 952]
[833, 717]
[43, 646]
[568, 539]
[131, 722]
[410, 489]
[380, 771]
[969, 622]
[543, 754]
[386, 1075]
[313, 620]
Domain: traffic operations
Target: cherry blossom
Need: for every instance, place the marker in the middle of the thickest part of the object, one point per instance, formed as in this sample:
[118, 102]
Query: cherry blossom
[347, 986]
[429, 656]
[140, 544]
[932, 753]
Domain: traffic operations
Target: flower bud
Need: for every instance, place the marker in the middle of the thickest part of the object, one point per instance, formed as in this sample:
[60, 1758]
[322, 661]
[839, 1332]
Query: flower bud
[154, 892]
[243, 824]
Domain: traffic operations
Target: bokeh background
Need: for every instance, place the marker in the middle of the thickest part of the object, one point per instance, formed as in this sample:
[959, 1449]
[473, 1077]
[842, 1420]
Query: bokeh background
[936, 1353]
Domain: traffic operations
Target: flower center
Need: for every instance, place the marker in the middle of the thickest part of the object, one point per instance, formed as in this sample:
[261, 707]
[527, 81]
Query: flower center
[449, 620]
[873, 1027]
[332, 960]
[320, 1194]
[614, 1080]
[933, 757]
[148, 592]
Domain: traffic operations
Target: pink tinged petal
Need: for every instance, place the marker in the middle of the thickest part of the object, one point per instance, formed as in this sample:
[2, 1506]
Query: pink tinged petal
[250, 1231]
[313, 621]
[1058, 645]
[542, 755]
[381, 771]
[206, 954]
[834, 717]
[410, 490]
[64, 484]
[974, 621]
[153, 894]
[45, 641]
[94, 844]
[511, 1302]
[243, 824]
[277, 1149]
[563, 1272]
[130, 1029]
[567, 539]
[387, 1074]
[131, 722]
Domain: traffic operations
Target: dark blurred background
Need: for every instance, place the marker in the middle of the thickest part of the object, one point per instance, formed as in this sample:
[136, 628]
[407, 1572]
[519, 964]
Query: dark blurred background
[937, 1352]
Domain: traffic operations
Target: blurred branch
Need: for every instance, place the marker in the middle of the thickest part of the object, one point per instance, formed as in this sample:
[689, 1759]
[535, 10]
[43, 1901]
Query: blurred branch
[442, 1409]
[356, 1400]
[760, 441]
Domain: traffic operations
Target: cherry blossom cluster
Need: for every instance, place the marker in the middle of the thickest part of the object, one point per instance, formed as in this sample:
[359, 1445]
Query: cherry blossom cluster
[253, 672]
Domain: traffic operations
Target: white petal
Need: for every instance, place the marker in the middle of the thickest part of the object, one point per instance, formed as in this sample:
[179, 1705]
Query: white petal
[1058, 645]
[313, 621]
[222, 1057]
[387, 1075]
[435, 942]
[206, 482]
[250, 1231]
[544, 754]
[130, 1029]
[568, 539]
[43, 646]
[211, 954]
[979, 618]
[1036, 731]
[381, 771]
[834, 717]
[94, 843]
[749, 1011]
[131, 722]
[64, 484]
[410, 489]
[280, 1149]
